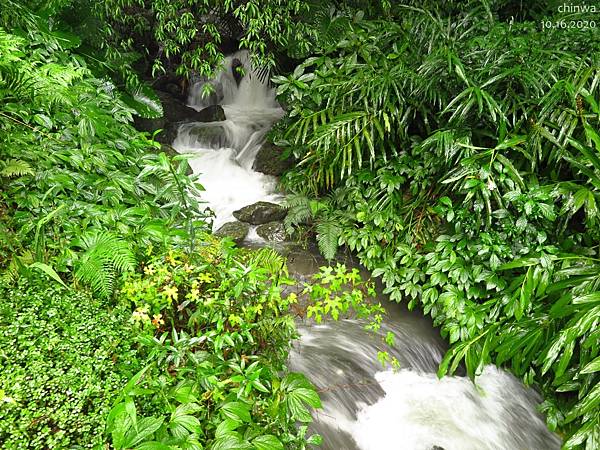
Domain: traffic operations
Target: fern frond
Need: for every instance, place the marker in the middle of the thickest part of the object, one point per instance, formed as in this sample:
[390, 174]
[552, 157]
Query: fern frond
[299, 211]
[268, 259]
[16, 168]
[106, 255]
[328, 235]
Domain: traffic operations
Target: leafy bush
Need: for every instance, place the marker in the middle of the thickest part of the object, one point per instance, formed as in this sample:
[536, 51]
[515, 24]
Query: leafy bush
[72, 166]
[64, 358]
[217, 333]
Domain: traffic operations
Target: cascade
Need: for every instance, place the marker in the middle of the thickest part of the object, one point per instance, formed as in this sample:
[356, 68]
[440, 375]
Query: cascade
[366, 407]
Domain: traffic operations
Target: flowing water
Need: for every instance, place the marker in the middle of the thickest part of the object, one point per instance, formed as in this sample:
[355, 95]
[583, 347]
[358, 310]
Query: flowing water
[226, 150]
[365, 407]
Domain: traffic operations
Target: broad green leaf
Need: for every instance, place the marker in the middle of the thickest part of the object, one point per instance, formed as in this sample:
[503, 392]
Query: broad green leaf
[237, 411]
[48, 270]
[267, 442]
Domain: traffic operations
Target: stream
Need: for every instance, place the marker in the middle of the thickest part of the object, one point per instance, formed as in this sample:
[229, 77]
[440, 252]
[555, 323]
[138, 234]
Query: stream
[365, 406]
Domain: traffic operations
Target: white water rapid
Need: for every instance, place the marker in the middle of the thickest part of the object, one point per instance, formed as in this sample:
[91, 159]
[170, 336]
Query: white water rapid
[226, 150]
[364, 406]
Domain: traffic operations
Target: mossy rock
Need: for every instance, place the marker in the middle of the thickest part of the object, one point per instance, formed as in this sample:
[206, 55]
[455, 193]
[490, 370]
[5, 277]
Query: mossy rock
[260, 213]
[235, 230]
[272, 232]
[269, 160]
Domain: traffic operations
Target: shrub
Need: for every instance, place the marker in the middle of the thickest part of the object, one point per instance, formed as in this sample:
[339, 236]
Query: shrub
[64, 357]
[216, 332]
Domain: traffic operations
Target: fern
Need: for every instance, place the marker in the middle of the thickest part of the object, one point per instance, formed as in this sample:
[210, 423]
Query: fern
[106, 255]
[328, 235]
[16, 168]
[299, 212]
[269, 260]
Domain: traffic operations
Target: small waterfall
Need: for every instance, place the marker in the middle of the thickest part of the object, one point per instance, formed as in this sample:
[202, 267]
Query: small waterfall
[364, 406]
[226, 150]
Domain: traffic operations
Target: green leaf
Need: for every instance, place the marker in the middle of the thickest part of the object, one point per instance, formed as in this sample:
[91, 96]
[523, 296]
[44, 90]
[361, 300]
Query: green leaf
[145, 101]
[230, 443]
[48, 270]
[226, 427]
[237, 411]
[592, 366]
[153, 445]
[267, 442]
[146, 427]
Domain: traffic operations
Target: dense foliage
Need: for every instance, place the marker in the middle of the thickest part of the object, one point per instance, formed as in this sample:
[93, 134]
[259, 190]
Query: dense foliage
[217, 334]
[452, 145]
[65, 356]
[85, 201]
[460, 149]
[81, 189]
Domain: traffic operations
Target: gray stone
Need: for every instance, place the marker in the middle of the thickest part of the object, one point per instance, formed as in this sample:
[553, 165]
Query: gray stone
[270, 162]
[235, 230]
[212, 136]
[260, 212]
[272, 232]
[212, 113]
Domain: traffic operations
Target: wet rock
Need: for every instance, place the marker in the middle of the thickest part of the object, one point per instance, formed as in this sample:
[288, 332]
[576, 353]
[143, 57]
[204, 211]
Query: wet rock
[216, 96]
[272, 232]
[208, 135]
[176, 112]
[269, 160]
[212, 113]
[260, 212]
[237, 69]
[235, 230]
[173, 84]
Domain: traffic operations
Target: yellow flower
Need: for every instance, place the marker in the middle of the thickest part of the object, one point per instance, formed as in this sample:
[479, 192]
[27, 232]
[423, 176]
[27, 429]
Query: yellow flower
[171, 292]
[157, 320]
[205, 278]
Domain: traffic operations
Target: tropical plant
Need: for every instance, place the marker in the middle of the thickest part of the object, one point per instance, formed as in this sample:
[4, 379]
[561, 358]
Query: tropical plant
[216, 332]
[72, 167]
[478, 202]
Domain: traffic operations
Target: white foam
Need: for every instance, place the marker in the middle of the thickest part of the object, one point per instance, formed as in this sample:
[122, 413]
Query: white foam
[420, 411]
[224, 158]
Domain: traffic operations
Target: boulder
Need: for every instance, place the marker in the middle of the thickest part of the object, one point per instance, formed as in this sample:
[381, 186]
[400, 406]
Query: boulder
[269, 160]
[272, 232]
[176, 112]
[235, 230]
[437, 447]
[212, 136]
[260, 212]
[212, 113]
